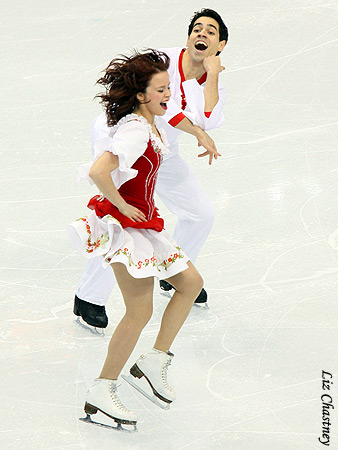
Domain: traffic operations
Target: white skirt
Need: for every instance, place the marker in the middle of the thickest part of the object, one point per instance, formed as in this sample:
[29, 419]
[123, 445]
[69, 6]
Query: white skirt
[144, 252]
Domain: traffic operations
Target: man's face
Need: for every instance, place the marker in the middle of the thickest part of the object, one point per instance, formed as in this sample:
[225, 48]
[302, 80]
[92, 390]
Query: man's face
[204, 39]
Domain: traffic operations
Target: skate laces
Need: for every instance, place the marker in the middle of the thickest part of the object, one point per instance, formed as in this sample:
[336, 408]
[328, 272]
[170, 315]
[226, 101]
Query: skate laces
[113, 394]
[165, 373]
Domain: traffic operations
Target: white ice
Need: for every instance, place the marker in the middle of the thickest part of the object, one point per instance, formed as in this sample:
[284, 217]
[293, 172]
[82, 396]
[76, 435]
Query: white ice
[248, 371]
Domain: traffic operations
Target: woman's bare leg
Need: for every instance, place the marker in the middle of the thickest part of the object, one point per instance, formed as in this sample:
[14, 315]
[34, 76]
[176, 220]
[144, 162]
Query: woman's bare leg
[188, 285]
[138, 299]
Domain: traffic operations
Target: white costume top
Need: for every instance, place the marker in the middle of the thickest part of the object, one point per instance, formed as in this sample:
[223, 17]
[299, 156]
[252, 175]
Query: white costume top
[128, 133]
[193, 92]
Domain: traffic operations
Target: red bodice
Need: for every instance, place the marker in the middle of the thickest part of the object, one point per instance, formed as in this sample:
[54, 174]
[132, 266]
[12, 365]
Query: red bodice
[138, 191]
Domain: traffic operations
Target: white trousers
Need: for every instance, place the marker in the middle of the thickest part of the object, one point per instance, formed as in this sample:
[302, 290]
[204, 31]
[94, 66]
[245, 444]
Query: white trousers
[181, 192]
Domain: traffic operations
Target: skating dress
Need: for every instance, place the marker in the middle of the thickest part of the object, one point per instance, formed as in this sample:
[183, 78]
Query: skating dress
[145, 248]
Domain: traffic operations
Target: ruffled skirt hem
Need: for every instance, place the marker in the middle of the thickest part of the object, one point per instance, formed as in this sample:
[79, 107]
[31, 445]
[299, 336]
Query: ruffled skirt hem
[144, 252]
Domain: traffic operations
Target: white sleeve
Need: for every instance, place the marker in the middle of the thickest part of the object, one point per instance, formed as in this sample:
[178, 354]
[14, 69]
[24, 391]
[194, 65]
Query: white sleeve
[129, 142]
[98, 130]
[173, 112]
[194, 94]
[216, 117]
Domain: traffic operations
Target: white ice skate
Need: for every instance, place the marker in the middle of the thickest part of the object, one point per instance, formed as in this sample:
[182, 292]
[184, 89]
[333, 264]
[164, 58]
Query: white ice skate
[102, 396]
[153, 366]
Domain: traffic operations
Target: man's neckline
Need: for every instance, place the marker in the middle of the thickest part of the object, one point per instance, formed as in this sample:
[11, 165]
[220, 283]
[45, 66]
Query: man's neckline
[201, 80]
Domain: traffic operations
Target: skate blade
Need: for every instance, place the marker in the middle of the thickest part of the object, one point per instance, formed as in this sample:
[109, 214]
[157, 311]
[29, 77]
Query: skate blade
[166, 293]
[93, 330]
[118, 427]
[129, 379]
[202, 305]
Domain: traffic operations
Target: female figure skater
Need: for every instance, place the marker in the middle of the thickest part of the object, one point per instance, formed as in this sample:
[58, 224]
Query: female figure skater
[125, 228]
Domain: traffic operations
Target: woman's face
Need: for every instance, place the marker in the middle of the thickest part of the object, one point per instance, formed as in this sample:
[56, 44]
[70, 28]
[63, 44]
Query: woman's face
[157, 94]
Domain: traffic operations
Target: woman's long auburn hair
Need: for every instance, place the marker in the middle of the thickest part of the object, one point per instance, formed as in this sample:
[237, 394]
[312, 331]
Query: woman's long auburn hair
[125, 77]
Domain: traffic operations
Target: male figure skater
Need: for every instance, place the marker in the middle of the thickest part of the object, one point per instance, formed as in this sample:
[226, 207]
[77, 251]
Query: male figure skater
[196, 105]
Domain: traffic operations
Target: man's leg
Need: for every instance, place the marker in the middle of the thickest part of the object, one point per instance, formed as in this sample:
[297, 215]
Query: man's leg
[93, 293]
[96, 283]
[183, 195]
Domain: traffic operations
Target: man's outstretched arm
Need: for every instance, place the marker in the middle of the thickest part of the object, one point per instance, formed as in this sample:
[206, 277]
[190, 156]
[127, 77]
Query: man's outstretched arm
[203, 139]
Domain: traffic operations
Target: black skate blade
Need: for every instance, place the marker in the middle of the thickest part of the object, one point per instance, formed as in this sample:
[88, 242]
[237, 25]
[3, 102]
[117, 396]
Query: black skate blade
[96, 331]
[117, 427]
[129, 379]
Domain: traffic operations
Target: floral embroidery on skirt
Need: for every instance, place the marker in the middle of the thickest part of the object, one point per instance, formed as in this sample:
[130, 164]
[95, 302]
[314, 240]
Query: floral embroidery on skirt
[144, 252]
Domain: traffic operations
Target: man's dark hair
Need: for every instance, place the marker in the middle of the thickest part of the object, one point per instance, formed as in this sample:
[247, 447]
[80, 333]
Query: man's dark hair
[205, 12]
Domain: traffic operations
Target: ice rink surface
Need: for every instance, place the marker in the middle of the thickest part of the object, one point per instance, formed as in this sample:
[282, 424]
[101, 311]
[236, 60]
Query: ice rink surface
[248, 371]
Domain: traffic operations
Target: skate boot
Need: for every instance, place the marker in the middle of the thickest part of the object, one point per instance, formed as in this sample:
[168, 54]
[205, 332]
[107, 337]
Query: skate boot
[102, 396]
[93, 315]
[202, 298]
[153, 366]
[166, 288]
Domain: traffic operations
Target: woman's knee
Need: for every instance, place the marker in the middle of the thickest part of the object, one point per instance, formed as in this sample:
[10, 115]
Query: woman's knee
[198, 282]
[194, 283]
[190, 281]
[139, 316]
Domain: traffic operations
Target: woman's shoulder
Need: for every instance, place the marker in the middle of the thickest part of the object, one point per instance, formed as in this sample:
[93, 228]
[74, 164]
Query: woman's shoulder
[132, 123]
[137, 131]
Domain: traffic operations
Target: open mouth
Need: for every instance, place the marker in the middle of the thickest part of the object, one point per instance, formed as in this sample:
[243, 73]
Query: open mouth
[164, 105]
[201, 45]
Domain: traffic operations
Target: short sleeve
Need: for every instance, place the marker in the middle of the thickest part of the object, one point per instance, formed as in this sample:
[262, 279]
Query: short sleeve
[98, 130]
[129, 141]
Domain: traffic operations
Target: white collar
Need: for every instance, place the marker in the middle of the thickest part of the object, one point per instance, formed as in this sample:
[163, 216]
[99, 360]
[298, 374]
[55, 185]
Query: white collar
[160, 145]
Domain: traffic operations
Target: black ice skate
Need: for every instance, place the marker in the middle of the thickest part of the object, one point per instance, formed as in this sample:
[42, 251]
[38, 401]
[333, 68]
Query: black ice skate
[90, 316]
[200, 301]
[202, 298]
[166, 288]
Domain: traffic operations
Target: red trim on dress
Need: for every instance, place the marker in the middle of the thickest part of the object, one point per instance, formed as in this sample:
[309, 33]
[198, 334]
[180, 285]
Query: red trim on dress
[176, 119]
[207, 114]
